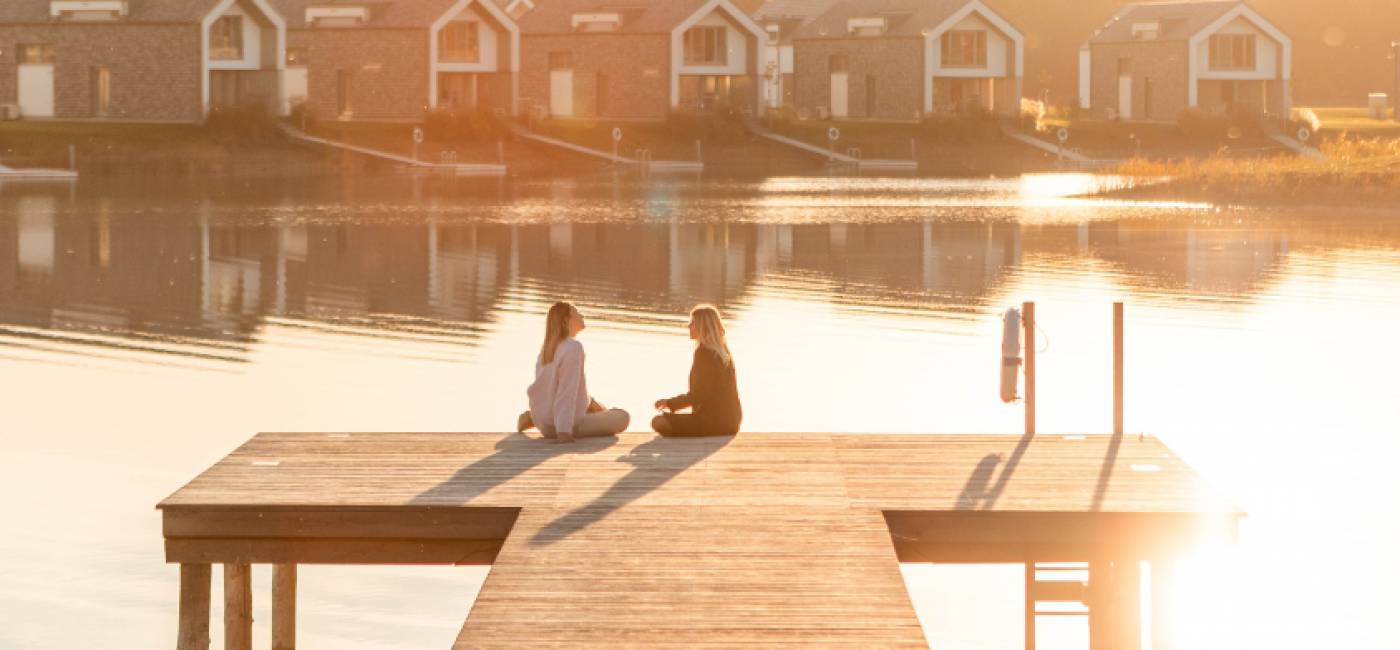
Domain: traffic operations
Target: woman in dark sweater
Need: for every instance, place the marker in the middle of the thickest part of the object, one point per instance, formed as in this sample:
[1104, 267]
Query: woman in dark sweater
[714, 394]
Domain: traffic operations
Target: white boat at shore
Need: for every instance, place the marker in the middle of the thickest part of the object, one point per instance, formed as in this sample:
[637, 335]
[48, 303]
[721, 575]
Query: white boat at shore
[10, 173]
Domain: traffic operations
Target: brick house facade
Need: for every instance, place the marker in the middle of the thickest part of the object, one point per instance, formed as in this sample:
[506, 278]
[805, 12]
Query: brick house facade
[155, 71]
[152, 60]
[642, 61]
[1158, 92]
[894, 65]
[382, 60]
[1154, 62]
[621, 76]
[886, 60]
[382, 71]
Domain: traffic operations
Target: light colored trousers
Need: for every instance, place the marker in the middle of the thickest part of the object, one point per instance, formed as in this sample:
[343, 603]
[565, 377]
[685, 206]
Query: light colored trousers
[591, 425]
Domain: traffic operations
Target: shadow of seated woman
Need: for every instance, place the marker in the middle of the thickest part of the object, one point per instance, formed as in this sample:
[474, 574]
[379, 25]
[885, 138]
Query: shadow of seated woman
[515, 454]
[654, 463]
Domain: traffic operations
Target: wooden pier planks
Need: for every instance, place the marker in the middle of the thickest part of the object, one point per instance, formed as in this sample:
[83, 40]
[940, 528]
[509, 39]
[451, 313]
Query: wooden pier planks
[680, 576]
[767, 539]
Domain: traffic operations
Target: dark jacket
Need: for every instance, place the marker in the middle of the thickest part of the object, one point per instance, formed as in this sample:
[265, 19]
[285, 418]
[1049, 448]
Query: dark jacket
[714, 393]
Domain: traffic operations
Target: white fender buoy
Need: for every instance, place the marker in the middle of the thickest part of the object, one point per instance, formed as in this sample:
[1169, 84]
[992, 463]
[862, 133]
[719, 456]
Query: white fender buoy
[1010, 354]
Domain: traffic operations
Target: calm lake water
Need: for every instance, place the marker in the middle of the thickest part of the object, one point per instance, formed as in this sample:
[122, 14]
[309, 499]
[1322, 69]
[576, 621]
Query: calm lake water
[149, 327]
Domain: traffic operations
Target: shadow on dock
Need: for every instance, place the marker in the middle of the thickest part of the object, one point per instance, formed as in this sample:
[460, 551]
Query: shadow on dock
[515, 454]
[654, 463]
[979, 493]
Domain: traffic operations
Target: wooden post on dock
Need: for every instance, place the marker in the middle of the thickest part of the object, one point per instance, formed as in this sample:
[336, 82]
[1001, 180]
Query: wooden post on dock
[238, 607]
[1118, 368]
[284, 607]
[194, 607]
[1028, 321]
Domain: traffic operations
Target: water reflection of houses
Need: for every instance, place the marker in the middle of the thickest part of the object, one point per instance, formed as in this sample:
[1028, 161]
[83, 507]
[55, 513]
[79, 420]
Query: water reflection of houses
[1205, 260]
[648, 267]
[946, 264]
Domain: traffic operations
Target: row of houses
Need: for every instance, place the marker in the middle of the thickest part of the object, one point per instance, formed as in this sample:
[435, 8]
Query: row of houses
[889, 60]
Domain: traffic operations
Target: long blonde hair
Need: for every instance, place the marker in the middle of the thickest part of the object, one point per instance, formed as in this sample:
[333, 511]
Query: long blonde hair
[556, 329]
[711, 328]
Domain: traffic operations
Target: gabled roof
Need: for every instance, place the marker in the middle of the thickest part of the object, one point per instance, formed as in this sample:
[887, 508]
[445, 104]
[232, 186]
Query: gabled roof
[639, 16]
[906, 17]
[139, 11]
[1178, 21]
[382, 13]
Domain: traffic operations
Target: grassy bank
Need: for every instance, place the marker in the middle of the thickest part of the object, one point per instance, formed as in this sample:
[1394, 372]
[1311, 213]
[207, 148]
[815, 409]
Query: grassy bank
[1356, 171]
[108, 148]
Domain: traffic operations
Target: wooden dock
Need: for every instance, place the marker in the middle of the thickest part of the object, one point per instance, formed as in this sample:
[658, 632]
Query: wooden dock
[638, 541]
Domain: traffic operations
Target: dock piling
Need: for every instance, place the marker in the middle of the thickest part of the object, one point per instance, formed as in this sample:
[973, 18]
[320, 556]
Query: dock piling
[1028, 321]
[238, 607]
[1118, 368]
[1162, 624]
[195, 586]
[284, 607]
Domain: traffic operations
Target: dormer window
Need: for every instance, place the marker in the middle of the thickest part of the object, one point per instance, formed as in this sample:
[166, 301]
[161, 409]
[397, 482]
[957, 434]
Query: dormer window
[597, 22]
[867, 26]
[1146, 31]
[460, 42]
[337, 16]
[226, 39]
[87, 10]
[964, 49]
[706, 46]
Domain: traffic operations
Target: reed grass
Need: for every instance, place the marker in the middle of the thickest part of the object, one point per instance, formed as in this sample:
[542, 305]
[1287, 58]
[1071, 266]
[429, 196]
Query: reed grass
[1363, 168]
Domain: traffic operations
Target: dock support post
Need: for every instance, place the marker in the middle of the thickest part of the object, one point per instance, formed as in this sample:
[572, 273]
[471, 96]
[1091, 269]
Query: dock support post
[1115, 605]
[238, 607]
[1030, 604]
[195, 584]
[1118, 368]
[284, 607]
[1163, 621]
[1028, 321]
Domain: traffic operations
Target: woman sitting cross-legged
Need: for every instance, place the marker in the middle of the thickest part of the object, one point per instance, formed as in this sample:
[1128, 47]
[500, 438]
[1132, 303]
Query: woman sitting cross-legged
[714, 393]
[559, 403]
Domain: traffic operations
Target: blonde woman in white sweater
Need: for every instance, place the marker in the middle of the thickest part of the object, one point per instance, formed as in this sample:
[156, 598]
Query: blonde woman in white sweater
[560, 406]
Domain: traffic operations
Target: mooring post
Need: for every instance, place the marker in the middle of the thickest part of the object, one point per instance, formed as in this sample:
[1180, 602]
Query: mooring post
[284, 607]
[195, 584]
[1118, 368]
[1028, 322]
[238, 607]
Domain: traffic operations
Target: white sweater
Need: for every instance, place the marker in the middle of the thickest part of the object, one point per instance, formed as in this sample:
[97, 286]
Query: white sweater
[559, 396]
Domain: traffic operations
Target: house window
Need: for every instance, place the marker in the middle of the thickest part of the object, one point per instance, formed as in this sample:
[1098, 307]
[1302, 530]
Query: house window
[965, 49]
[35, 53]
[460, 42]
[706, 46]
[561, 61]
[101, 91]
[839, 64]
[226, 39]
[1232, 52]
